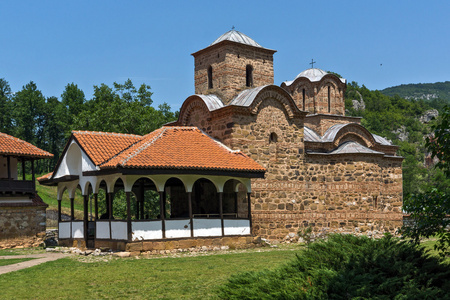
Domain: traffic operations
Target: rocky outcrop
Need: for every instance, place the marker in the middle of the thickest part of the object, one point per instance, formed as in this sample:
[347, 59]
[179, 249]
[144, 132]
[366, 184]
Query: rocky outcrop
[401, 133]
[429, 115]
[359, 105]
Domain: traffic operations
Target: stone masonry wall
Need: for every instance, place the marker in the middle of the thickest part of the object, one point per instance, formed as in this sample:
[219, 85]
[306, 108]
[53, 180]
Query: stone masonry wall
[21, 221]
[229, 64]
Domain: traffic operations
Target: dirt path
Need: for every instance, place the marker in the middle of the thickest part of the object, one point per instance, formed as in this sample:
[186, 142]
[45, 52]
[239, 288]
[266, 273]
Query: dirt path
[38, 259]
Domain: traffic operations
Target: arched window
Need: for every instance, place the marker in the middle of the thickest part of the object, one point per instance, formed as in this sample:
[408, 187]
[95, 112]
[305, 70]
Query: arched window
[329, 99]
[304, 99]
[273, 138]
[249, 76]
[210, 82]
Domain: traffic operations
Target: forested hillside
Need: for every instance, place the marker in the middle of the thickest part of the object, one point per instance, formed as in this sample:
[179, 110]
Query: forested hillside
[436, 94]
[47, 122]
[406, 123]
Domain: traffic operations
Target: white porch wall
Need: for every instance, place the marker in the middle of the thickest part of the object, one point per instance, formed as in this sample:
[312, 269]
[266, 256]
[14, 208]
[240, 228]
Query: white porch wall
[236, 227]
[177, 228]
[150, 230]
[74, 162]
[78, 230]
[64, 230]
[119, 230]
[207, 227]
[102, 230]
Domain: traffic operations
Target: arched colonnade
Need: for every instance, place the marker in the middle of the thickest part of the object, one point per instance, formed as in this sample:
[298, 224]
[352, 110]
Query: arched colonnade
[147, 207]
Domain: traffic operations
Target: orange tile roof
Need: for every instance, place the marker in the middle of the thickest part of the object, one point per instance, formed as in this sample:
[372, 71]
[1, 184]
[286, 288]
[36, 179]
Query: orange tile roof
[102, 146]
[182, 148]
[10, 145]
[45, 177]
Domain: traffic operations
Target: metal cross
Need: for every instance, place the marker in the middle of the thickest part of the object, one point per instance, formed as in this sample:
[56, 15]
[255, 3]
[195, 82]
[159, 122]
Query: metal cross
[312, 63]
[232, 28]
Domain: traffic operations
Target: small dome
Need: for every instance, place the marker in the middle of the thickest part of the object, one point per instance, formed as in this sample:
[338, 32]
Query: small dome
[312, 74]
[238, 37]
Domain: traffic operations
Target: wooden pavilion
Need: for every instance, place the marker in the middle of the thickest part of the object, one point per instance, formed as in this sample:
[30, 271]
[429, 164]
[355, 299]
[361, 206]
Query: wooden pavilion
[174, 183]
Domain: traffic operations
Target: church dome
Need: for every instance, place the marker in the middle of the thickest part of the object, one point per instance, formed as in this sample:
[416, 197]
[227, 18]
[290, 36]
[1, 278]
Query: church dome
[312, 74]
[238, 37]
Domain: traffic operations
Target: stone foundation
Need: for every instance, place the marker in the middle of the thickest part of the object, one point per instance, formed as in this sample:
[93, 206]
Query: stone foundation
[21, 221]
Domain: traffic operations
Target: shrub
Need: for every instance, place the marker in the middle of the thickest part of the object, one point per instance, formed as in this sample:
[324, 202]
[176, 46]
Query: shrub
[348, 267]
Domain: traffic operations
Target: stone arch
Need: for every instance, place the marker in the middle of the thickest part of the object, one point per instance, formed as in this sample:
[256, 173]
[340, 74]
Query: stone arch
[277, 94]
[177, 201]
[205, 201]
[192, 108]
[354, 132]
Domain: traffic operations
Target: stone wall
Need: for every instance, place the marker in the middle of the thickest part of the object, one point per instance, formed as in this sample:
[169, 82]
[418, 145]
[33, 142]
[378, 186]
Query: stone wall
[229, 61]
[21, 221]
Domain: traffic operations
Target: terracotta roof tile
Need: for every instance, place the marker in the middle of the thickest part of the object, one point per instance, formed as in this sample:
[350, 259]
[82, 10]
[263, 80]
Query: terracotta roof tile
[45, 177]
[182, 148]
[10, 145]
[102, 146]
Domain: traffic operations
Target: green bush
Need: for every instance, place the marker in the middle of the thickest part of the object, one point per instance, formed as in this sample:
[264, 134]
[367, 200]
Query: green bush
[348, 267]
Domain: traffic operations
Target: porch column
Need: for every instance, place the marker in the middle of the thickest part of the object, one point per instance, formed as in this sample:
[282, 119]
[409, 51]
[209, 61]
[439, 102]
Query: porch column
[8, 163]
[236, 204]
[96, 206]
[190, 213]
[249, 202]
[141, 199]
[162, 209]
[221, 212]
[72, 210]
[86, 216]
[59, 210]
[32, 175]
[110, 209]
[23, 169]
[129, 236]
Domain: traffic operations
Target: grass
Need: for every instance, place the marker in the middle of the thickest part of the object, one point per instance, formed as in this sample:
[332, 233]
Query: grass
[24, 251]
[186, 277]
[11, 261]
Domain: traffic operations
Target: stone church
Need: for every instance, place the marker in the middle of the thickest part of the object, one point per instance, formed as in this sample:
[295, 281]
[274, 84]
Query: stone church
[323, 169]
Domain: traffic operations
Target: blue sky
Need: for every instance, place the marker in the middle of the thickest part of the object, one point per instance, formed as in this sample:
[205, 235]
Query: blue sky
[54, 43]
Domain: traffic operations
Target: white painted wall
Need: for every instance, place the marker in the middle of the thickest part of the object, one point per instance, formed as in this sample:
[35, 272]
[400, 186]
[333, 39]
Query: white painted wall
[64, 230]
[74, 162]
[119, 230]
[102, 230]
[178, 228]
[78, 230]
[207, 227]
[236, 227]
[150, 230]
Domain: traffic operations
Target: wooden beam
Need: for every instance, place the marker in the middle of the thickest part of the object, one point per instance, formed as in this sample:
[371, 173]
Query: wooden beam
[96, 206]
[72, 210]
[59, 211]
[23, 169]
[86, 216]
[162, 212]
[8, 163]
[129, 229]
[249, 210]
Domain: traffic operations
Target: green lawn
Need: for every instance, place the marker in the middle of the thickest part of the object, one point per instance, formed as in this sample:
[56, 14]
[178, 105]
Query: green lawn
[11, 261]
[186, 277]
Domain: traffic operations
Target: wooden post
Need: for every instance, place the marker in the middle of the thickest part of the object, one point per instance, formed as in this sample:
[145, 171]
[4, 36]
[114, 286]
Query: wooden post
[110, 209]
[8, 162]
[190, 213]
[221, 213]
[86, 216]
[96, 206]
[59, 211]
[142, 196]
[249, 210]
[32, 175]
[72, 210]
[162, 213]
[23, 169]
[236, 207]
[129, 236]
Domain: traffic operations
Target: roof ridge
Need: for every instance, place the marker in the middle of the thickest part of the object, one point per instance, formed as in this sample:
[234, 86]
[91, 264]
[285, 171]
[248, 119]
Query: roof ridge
[145, 145]
[105, 133]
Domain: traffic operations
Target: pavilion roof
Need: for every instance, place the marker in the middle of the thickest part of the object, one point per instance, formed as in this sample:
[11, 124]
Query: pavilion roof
[181, 148]
[10, 145]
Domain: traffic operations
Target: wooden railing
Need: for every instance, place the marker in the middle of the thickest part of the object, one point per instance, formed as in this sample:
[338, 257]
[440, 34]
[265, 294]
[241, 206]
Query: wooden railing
[17, 186]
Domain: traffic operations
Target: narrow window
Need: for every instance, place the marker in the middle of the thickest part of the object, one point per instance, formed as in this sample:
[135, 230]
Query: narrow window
[304, 99]
[210, 82]
[329, 99]
[273, 138]
[249, 76]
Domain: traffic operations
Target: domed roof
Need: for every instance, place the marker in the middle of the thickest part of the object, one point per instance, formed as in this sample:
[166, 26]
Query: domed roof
[312, 74]
[238, 37]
